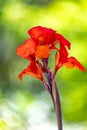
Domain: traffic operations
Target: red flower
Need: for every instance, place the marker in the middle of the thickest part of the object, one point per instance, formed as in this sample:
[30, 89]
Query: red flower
[42, 41]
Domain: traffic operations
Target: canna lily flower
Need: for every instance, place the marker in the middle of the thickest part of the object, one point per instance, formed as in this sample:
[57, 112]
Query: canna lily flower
[37, 50]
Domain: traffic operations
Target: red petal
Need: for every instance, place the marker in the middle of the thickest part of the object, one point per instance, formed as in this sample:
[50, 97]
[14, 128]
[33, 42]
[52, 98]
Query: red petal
[60, 57]
[42, 34]
[63, 40]
[26, 49]
[42, 51]
[33, 70]
[63, 54]
[73, 62]
[35, 32]
[56, 61]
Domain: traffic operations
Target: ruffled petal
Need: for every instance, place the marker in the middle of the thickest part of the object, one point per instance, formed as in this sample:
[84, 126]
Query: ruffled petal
[62, 40]
[26, 49]
[35, 32]
[42, 35]
[33, 70]
[73, 62]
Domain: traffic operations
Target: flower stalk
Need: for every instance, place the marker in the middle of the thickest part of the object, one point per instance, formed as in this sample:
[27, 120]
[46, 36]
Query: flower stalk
[54, 93]
[57, 107]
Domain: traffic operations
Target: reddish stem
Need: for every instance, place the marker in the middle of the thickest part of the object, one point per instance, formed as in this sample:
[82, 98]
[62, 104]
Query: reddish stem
[57, 107]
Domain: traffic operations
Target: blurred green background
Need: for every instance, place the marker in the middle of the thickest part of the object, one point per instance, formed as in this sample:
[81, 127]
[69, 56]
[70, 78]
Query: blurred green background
[27, 105]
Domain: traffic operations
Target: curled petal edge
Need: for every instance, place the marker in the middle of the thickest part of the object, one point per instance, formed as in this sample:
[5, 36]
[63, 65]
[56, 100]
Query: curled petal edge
[33, 70]
[73, 62]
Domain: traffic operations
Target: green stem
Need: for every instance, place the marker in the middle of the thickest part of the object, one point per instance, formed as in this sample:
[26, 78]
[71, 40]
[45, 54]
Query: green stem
[57, 107]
